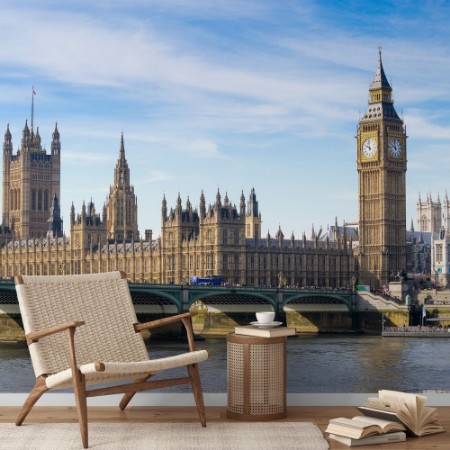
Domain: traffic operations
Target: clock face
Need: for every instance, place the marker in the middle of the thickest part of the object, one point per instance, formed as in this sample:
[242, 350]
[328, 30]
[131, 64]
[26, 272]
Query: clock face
[369, 148]
[395, 148]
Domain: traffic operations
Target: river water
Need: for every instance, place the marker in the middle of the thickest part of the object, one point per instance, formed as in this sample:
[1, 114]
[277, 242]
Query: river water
[315, 364]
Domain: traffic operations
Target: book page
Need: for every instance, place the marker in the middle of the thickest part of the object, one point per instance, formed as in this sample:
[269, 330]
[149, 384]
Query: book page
[383, 424]
[351, 423]
[407, 406]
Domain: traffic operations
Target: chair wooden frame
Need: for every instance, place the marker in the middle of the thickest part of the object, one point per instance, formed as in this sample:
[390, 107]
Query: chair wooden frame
[129, 390]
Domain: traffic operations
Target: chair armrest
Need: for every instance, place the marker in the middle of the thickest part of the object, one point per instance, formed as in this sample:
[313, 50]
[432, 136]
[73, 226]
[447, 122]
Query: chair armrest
[184, 317]
[162, 322]
[34, 336]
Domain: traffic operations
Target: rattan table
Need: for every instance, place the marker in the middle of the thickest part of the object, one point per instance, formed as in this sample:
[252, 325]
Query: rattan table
[256, 374]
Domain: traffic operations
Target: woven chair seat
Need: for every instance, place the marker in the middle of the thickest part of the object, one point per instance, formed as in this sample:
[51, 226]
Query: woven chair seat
[114, 371]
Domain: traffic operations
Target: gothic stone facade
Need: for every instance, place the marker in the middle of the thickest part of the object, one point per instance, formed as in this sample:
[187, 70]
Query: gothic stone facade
[218, 239]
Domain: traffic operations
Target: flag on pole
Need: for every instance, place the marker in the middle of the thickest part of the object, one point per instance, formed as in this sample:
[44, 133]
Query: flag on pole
[34, 92]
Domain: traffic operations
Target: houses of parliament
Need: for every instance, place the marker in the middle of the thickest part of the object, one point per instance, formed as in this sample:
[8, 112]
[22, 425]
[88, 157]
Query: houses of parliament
[214, 238]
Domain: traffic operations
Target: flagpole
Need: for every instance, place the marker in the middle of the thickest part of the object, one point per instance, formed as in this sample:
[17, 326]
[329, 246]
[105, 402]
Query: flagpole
[32, 107]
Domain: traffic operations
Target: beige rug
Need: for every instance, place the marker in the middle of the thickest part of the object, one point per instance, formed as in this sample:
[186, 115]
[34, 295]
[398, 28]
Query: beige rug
[165, 436]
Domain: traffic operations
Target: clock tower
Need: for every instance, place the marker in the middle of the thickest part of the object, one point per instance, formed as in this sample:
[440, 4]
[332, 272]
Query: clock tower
[381, 163]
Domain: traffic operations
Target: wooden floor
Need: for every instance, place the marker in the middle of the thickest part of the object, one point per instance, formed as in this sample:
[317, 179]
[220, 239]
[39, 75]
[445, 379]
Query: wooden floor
[318, 415]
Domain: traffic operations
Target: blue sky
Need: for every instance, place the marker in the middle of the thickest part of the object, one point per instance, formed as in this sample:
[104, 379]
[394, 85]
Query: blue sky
[229, 95]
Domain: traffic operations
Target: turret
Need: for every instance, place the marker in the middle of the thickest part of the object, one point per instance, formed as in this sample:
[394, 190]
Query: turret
[55, 222]
[218, 204]
[252, 206]
[242, 205]
[26, 137]
[56, 144]
[7, 143]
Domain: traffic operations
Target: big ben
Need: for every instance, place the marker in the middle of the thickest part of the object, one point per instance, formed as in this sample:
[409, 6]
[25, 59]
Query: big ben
[381, 162]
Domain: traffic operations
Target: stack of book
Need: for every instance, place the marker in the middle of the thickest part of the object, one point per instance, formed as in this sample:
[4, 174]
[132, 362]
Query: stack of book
[387, 419]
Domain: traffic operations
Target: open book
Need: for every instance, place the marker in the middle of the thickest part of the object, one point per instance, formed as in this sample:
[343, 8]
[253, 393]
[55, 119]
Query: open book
[362, 426]
[409, 409]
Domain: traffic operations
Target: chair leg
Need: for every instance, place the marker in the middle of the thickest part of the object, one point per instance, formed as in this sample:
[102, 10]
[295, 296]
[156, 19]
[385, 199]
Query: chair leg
[31, 400]
[198, 392]
[129, 395]
[80, 397]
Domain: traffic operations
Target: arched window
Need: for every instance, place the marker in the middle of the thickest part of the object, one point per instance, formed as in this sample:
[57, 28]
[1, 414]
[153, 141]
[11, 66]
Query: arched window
[39, 202]
[45, 200]
[33, 199]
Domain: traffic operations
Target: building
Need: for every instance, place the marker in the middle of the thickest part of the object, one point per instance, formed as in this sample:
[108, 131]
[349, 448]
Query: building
[433, 223]
[214, 239]
[31, 180]
[381, 165]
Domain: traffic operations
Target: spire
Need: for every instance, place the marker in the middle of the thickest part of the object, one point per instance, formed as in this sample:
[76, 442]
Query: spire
[202, 205]
[8, 135]
[381, 105]
[164, 208]
[380, 81]
[122, 148]
[179, 207]
[72, 214]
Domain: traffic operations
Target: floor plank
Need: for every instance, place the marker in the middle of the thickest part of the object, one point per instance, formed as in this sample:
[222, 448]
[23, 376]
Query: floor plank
[319, 415]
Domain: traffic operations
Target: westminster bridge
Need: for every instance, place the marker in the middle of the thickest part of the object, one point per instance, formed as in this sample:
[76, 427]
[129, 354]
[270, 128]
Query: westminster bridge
[220, 308]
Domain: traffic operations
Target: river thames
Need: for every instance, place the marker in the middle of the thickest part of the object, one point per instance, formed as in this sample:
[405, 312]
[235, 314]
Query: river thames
[315, 364]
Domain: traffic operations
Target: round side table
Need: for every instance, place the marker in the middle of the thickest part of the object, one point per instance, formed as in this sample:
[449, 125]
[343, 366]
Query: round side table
[256, 373]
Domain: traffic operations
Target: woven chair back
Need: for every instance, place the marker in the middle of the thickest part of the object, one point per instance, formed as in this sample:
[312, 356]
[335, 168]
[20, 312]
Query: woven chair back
[102, 300]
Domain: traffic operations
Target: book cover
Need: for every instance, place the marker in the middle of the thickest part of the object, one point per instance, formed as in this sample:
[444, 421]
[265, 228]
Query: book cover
[398, 436]
[251, 330]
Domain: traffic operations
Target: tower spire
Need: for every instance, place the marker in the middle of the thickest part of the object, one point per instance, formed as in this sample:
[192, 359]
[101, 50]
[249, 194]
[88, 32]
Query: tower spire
[122, 148]
[380, 80]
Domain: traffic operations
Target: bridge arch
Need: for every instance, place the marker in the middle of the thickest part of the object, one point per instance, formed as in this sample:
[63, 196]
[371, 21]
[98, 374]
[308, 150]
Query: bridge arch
[320, 297]
[160, 296]
[232, 296]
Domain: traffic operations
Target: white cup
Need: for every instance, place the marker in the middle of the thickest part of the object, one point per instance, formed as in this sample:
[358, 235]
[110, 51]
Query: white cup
[265, 316]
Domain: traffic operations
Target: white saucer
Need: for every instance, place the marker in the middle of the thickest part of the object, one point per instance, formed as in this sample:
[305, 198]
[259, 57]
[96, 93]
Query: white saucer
[266, 325]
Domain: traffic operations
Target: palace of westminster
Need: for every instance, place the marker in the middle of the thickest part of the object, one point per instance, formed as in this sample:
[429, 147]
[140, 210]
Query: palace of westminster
[221, 238]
